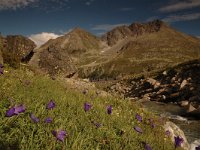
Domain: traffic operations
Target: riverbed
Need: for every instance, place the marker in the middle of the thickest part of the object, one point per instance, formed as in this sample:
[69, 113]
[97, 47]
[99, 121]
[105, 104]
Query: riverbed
[190, 126]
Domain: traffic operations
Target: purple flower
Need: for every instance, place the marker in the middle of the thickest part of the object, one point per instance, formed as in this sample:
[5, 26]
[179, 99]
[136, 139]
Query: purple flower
[87, 107]
[147, 147]
[168, 133]
[1, 69]
[51, 105]
[197, 148]
[138, 117]
[98, 125]
[19, 109]
[34, 119]
[178, 141]
[138, 129]
[109, 109]
[48, 120]
[59, 135]
[15, 110]
[10, 112]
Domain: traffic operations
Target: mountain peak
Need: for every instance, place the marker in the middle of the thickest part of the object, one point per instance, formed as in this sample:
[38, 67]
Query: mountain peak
[149, 27]
[78, 30]
[133, 30]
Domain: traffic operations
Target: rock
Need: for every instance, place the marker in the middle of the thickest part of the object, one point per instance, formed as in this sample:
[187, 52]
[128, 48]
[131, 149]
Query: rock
[194, 144]
[183, 84]
[195, 113]
[194, 99]
[174, 95]
[184, 103]
[153, 82]
[176, 131]
[190, 108]
[164, 73]
[17, 49]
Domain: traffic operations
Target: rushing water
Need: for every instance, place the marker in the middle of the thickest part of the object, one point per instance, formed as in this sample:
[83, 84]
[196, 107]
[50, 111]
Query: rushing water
[190, 127]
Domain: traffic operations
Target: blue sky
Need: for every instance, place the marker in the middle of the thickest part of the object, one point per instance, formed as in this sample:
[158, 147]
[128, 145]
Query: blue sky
[52, 18]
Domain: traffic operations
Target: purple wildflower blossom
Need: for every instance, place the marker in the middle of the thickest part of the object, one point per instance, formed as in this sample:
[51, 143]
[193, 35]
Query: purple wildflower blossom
[1, 69]
[10, 112]
[48, 120]
[138, 129]
[19, 109]
[87, 107]
[60, 135]
[109, 109]
[197, 148]
[34, 119]
[178, 141]
[15, 110]
[51, 105]
[138, 117]
[147, 147]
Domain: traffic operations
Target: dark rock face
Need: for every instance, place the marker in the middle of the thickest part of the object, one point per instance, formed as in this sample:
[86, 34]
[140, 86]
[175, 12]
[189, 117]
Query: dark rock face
[133, 30]
[54, 60]
[17, 49]
[139, 29]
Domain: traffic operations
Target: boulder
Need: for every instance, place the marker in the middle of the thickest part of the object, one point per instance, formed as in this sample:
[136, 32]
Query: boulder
[194, 144]
[153, 82]
[184, 103]
[190, 108]
[183, 84]
[17, 49]
[176, 131]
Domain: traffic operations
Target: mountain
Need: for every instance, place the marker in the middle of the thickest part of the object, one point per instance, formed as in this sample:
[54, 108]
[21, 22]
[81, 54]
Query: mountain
[66, 52]
[139, 48]
[16, 49]
[144, 48]
[134, 30]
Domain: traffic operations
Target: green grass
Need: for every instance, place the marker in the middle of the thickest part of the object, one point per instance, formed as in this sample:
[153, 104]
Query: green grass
[35, 91]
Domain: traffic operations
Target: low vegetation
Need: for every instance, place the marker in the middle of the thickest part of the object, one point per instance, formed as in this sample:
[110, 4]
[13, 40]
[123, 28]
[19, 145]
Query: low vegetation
[78, 120]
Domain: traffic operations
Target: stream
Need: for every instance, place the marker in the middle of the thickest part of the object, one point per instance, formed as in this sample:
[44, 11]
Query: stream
[190, 127]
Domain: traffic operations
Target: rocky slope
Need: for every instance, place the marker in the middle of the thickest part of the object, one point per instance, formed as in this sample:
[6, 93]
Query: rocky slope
[16, 49]
[65, 53]
[179, 84]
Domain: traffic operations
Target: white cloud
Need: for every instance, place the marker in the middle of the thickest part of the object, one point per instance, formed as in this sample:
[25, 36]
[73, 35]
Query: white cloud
[181, 5]
[107, 27]
[186, 17]
[14, 4]
[43, 37]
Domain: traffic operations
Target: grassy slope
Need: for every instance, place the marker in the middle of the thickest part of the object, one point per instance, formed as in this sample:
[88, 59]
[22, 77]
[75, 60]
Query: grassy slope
[116, 132]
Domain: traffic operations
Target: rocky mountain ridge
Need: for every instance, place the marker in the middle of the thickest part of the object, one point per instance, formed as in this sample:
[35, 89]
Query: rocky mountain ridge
[133, 30]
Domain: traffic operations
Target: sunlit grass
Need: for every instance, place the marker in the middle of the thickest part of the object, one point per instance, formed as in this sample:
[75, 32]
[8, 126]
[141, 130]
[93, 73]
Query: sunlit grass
[116, 131]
